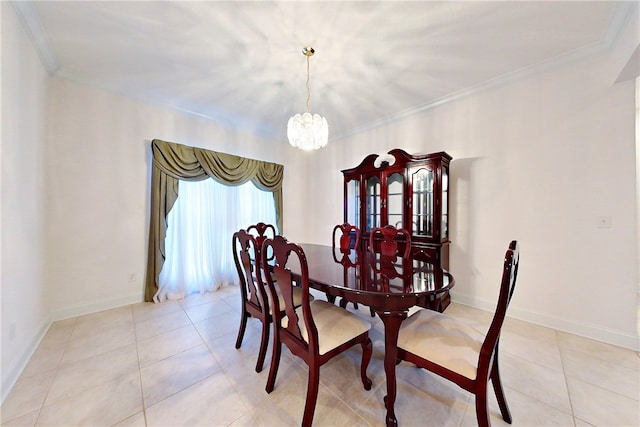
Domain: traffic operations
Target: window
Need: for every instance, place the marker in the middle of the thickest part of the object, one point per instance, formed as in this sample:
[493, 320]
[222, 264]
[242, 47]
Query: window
[200, 227]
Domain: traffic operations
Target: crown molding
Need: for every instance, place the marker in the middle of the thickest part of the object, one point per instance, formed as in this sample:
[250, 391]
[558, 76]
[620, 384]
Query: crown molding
[620, 18]
[30, 19]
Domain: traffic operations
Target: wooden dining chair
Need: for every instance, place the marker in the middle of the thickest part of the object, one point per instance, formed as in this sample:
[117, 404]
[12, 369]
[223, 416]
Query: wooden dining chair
[262, 232]
[256, 301]
[388, 246]
[316, 331]
[348, 239]
[457, 351]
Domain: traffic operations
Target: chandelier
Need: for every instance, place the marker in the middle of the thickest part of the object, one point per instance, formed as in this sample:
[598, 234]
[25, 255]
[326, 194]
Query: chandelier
[308, 131]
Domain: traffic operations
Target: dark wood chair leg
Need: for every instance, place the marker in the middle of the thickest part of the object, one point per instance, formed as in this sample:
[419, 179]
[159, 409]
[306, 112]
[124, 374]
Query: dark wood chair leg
[497, 388]
[367, 351]
[275, 362]
[482, 409]
[264, 342]
[243, 326]
[312, 395]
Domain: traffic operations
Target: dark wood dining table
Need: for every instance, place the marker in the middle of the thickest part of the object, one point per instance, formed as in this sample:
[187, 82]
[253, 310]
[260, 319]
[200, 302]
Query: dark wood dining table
[388, 286]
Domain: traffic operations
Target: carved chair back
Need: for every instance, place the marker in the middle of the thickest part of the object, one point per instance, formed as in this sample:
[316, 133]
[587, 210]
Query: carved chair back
[388, 246]
[255, 300]
[348, 233]
[261, 232]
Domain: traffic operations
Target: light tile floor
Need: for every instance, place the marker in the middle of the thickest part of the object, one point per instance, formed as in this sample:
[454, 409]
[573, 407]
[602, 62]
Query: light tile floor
[174, 364]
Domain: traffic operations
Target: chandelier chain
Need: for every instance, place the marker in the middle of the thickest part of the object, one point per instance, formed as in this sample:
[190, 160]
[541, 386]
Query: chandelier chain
[308, 90]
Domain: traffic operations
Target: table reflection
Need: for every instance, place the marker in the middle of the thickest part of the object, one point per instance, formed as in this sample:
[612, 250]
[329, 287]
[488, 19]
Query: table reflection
[377, 273]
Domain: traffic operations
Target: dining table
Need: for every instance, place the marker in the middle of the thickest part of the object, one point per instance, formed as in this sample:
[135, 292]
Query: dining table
[390, 286]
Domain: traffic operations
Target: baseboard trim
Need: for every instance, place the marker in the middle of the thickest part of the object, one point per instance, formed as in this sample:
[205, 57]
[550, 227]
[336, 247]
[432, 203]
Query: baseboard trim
[95, 306]
[10, 380]
[594, 332]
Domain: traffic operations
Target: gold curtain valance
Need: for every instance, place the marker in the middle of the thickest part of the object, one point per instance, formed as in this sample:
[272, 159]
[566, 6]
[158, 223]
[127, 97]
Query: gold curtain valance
[173, 162]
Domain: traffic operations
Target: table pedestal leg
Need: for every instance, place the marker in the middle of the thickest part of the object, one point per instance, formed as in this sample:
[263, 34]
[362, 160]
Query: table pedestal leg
[392, 321]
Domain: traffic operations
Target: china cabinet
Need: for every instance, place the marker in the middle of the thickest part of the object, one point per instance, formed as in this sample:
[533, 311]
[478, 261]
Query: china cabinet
[406, 191]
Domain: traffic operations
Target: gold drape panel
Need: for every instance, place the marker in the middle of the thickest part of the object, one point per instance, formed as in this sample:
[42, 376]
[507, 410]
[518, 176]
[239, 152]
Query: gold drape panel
[173, 162]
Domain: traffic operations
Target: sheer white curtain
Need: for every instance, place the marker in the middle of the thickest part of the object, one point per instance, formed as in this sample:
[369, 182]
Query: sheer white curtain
[200, 226]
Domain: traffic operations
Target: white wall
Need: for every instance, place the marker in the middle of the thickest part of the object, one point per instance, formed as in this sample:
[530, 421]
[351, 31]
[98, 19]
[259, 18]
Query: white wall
[23, 199]
[536, 160]
[99, 188]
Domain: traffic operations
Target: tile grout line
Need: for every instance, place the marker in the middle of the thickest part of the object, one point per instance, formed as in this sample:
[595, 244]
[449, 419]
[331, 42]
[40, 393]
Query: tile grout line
[564, 374]
[347, 404]
[222, 371]
[135, 335]
[57, 369]
[535, 398]
[144, 405]
[593, 384]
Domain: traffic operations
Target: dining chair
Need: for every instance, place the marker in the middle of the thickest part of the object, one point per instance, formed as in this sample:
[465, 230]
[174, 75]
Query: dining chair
[388, 246]
[457, 351]
[316, 331]
[261, 232]
[256, 302]
[349, 237]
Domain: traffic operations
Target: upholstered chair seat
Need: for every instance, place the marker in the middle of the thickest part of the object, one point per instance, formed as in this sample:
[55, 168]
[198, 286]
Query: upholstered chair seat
[457, 351]
[443, 340]
[335, 325]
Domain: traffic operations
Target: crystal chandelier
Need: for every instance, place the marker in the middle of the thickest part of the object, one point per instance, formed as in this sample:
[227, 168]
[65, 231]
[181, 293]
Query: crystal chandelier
[308, 131]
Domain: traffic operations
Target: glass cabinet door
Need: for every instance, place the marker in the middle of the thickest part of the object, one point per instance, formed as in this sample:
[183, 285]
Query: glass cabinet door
[395, 200]
[422, 215]
[372, 201]
[353, 202]
[445, 203]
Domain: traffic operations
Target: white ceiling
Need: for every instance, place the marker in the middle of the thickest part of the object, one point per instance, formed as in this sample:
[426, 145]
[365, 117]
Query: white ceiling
[240, 64]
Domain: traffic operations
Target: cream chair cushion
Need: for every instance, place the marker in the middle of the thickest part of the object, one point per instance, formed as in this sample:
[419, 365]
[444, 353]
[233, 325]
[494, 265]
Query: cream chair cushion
[443, 340]
[335, 325]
